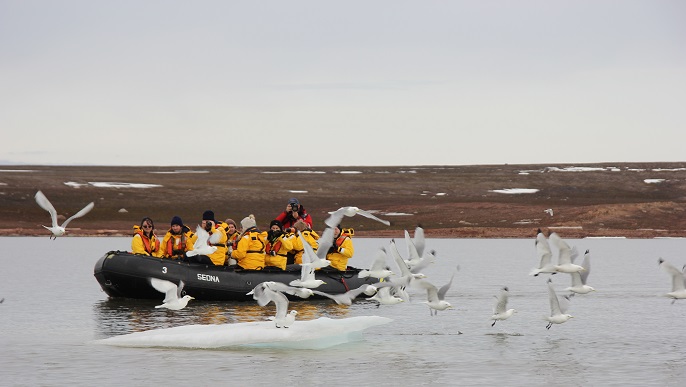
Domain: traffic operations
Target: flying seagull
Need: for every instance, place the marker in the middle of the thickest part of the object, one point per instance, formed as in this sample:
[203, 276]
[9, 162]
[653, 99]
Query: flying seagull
[579, 278]
[337, 216]
[558, 310]
[435, 296]
[500, 311]
[544, 254]
[566, 255]
[678, 280]
[202, 244]
[56, 229]
[172, 294]
[348, 297]
[378, 269]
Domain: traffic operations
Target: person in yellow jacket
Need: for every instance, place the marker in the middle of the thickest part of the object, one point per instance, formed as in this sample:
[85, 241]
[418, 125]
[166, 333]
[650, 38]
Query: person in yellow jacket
[308, 235]
[278, 246]
[144, 239]
[217, 238]
[342, 248]
[232, 234]
[177, 241]
[250, 249]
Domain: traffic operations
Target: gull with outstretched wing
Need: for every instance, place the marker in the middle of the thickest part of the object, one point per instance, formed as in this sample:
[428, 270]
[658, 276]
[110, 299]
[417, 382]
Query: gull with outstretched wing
[56, 229]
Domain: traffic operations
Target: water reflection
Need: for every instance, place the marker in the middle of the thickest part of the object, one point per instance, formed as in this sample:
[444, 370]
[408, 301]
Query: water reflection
[119, 316]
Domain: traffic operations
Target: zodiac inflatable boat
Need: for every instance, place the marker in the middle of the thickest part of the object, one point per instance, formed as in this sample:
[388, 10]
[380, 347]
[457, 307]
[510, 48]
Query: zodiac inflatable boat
[122, 274]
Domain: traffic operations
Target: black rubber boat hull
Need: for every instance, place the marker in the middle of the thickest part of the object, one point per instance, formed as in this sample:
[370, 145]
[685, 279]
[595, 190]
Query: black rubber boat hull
[122, 274]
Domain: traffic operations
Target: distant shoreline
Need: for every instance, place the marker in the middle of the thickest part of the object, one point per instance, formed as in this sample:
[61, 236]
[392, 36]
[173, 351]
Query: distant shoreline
[632, 200]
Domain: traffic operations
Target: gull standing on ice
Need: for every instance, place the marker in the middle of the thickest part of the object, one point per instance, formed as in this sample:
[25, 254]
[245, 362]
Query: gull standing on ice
[56, 229]
[202, 244]
[558, 311]
[678, 280]
[500, 311]
[579, 278]
[172, 294]
[545, 255]
[336, 216]
[264, 293]
[565, 256]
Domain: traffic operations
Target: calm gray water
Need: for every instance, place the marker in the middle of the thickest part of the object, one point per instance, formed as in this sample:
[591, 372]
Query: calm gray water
[623, 334]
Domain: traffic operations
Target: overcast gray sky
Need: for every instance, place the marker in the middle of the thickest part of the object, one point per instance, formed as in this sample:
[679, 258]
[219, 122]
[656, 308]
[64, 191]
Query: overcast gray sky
[298, 83]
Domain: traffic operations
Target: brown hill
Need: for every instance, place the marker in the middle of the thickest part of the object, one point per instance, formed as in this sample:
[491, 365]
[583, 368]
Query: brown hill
[638, 200]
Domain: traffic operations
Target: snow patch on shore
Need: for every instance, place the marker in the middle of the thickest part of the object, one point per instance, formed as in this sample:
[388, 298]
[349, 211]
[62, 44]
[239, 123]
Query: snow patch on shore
[511, 191]
[103, 184]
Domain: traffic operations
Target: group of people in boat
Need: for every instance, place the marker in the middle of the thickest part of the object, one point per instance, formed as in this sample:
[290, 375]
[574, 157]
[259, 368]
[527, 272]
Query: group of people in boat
[245, 246]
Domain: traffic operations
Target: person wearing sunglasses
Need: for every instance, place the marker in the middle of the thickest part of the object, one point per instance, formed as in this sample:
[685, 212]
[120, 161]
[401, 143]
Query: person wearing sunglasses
[144, 240]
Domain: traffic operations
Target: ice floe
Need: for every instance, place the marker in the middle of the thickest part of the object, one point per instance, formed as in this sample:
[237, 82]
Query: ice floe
[320, 333]
[653, 181]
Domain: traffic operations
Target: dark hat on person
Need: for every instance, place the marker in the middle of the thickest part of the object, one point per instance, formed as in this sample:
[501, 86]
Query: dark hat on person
[177, 220]
[208, 215]
[231, 221]
[277, 223]
[293, 201]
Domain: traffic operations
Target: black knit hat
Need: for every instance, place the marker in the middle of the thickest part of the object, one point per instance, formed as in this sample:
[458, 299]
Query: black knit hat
[277, 223]
[177, 220]
[208, 215]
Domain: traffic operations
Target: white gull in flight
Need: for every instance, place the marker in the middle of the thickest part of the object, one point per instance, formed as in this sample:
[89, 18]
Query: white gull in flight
[348, 297]
[435, 296]
[678, 280]
[379, 269]
[566, 255]
[202, 245]
[172, 294]
[337, 216]
[579, 278]
[544, 254]
[56, 229]
[500, 311]
[558, 309]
